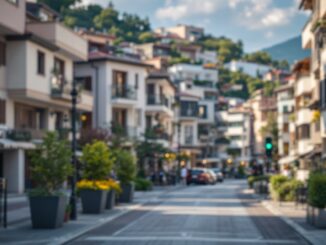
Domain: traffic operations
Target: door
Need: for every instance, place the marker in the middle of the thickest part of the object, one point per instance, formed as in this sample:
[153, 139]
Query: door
[150, 94]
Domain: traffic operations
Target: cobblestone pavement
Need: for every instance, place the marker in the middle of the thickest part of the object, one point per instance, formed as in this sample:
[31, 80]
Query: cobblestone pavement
[219, 214]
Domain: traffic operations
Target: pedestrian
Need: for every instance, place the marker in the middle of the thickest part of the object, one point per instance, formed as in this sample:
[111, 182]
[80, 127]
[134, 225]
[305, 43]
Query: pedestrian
[183, 174]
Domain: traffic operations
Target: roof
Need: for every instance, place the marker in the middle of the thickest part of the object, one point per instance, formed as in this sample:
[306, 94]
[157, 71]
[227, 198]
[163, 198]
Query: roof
[302, 67]
[156, 74]
[284, 87]
[306, 4]
[101, 56]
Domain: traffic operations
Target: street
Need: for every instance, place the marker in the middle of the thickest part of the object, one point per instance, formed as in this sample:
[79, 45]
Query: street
[219, 214]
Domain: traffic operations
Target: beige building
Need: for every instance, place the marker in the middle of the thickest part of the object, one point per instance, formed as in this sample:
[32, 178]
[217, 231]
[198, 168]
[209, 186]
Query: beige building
[36, 73]
[190, 33]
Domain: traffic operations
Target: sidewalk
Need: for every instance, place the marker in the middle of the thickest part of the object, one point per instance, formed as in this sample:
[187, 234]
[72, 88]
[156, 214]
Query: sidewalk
[294, 216]
[19, 229]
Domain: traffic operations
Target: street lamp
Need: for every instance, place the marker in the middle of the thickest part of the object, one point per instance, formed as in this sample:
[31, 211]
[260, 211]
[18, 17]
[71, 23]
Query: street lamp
[73, 196]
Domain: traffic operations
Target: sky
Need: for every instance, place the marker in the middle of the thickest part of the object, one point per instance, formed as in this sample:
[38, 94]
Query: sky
[258, 23]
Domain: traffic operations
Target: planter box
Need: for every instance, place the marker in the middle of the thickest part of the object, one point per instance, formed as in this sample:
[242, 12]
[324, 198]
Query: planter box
[47, 212]
[93, 201]
[316, 217]
[110, 200]
[127, 194]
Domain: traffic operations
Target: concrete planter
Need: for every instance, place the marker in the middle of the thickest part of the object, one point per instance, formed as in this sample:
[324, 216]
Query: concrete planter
[110, 200]
[316, 217]
[261, 187]
[93, 201]
[47, 212]
[127, 194]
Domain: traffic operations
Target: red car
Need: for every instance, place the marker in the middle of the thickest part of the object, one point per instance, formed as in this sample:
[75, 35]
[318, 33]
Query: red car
[199, 176]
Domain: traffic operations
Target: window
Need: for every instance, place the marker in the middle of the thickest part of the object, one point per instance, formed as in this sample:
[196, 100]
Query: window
[203, 111]
[40, 63]
[235, 137]
[189, 86]
[2, 54]
[285, 109]
[235, 124]
[136, 80]
[2, 111]
[189, 108]
[286, 148]
[189, 137]
[285, 127]
[86, 82]
[303, 131]
[59, 66]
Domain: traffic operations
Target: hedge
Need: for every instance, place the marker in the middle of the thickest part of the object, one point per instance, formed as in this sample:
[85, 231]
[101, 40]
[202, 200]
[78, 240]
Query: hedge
[252, 179]
[317, 190]
[287, 190]
[142, 184]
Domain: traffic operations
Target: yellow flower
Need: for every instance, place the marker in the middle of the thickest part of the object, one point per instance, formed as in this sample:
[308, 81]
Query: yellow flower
[105, 185]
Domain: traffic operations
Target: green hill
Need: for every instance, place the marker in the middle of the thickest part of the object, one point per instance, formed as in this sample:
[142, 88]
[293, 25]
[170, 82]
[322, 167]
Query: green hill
[289, 50]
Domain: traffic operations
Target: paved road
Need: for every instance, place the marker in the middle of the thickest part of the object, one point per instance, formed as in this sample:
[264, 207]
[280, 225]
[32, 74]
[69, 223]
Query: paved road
[197, 215]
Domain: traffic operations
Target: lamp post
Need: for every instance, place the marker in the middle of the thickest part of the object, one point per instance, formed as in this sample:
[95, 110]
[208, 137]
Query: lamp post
[73, 196]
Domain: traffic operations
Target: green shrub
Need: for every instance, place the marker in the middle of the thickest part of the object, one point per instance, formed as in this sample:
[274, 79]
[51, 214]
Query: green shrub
[252, 179]
[142, 184]
[317, 190]
[97, 161]
[125, 166]
[277, 180]
[50, 165]
[287, 190]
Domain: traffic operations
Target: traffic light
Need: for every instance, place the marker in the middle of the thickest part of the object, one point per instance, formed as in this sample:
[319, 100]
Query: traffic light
[269, 146]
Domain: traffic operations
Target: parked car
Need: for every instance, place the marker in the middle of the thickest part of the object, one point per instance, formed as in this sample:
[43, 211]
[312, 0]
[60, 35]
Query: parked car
[199, 176]
[219, 174]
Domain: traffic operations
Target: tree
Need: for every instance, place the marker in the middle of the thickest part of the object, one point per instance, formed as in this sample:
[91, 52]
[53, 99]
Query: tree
[107, 19]
[82, 16]
[147, 37]
[259, 57]
[59, 5]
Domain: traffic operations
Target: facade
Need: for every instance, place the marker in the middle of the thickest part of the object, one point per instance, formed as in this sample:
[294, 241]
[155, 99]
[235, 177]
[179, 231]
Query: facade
[262, 107]
[36, 80]
[286, 125]
[313, 38]
[119, 85]
[252, 69]
[190, 33]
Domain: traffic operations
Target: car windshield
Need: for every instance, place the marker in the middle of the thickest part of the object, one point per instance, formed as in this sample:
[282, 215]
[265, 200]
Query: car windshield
[196, 171]
[216, 170]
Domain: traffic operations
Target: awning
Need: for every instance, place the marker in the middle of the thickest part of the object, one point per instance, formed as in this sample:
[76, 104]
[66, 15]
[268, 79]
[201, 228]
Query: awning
[287, 160]
[8, 144]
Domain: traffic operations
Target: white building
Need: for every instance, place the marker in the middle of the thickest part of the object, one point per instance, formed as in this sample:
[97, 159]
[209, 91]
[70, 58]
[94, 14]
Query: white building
[198, 87]
[206, 57]
[119, 97]
[252, 69]
[36, 73]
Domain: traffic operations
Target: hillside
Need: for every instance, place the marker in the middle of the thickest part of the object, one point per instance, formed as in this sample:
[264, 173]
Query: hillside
[289, 50]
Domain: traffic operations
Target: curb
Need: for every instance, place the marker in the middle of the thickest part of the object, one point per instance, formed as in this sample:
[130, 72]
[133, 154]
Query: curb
[287, 220]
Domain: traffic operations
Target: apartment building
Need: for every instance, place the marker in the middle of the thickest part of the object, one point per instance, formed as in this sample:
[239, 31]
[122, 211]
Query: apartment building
[262, 108]
[313, 38]
[153, 50]
[159, 112]
[38, 54]
[187, 32]
[199, 84]
[119, 85]
[239, 134]
[251, 69]
[286, 125]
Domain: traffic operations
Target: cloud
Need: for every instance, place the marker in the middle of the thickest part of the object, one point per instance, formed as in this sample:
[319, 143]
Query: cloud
[258, 15]
[180, 9]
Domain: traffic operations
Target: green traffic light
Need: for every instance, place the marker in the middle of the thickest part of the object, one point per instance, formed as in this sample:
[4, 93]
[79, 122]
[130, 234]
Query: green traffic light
[269, 146]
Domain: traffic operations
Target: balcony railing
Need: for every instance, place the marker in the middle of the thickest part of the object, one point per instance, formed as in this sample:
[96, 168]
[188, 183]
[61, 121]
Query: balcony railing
[124, 131]
[203, 83]
[26, 134]
[157, 99]
[60, 87]
[157, 134]
[189, 113]
[127, 92]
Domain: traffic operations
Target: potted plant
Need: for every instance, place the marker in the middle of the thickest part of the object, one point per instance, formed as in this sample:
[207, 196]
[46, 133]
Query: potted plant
[96, 165]
[50, 167]
[125, 166]
[316, 213]
[114, 188]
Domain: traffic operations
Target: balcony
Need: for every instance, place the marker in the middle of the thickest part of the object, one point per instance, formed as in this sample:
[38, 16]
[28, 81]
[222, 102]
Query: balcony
[26, 134]
[124, 131]
[189, 114]
[66, 40]
[124, 95]
[12, 17]
[159, 135]
[304, 116]
[60, 88]
[159, 103]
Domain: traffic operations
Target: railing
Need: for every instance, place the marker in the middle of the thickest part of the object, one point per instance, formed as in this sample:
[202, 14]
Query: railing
[3, 202]
[124, 131]
[59, 86]
[203, 83]
[127, 92]
[189, 113]
[157, 100]
[19, 135]
[157, 135]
